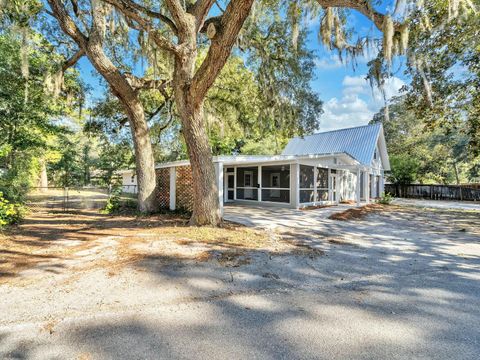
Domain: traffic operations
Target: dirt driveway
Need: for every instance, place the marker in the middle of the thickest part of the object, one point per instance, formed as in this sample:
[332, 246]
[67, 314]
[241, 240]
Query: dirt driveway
[404, 283]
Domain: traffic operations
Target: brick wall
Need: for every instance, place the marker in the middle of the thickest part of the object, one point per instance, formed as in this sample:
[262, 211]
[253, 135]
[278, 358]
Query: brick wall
[184, 188]
[163, 187]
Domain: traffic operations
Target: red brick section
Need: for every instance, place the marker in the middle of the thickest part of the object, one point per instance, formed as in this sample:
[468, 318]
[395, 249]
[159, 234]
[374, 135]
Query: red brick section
[184, 193]
[163, 187]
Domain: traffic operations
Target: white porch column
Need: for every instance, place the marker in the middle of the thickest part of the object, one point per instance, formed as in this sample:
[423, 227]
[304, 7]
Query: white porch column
[259, 181]
[382, 183]
[173, 187]
[372, 185]
[315, 175]
[357, 188]
[219, 180]
[366, 188]
[294, 186]
[340, 184]
[235, 183]
[330, 188]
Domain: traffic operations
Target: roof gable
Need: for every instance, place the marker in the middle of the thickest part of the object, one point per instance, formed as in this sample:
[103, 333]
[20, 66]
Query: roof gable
[359, 142]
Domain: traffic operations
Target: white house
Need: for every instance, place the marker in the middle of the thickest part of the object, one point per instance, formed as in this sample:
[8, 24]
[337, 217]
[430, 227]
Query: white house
[129, 181]
[318, 169]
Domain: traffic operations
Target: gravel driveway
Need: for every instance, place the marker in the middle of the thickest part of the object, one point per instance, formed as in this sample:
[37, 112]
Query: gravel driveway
[400, 284]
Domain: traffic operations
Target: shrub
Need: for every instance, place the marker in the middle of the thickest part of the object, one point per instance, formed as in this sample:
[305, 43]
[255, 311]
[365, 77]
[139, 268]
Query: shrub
[9, 213]
[113, 203]
[385, 198]
[118, 203]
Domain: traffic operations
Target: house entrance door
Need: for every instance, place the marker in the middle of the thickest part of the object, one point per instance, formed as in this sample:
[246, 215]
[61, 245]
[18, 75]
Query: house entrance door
[334, 187]
[230, 187]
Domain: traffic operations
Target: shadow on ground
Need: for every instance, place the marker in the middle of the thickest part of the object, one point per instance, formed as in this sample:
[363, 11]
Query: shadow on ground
[394, 285]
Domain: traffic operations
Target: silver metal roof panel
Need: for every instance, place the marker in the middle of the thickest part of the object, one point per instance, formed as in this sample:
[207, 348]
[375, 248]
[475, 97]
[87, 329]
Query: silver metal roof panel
[359, 142]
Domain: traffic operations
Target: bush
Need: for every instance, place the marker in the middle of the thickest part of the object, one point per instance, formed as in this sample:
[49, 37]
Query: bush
[404, 169]
[117, 203]
[113, 203]
[385, 199]
[9, 213]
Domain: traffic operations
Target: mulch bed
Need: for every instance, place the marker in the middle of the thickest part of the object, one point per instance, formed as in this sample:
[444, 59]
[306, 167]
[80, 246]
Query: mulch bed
[361, 212]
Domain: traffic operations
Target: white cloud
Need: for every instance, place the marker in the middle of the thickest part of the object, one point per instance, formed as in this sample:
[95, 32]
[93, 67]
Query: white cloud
[328, 62]
[358, 103]
[347, 112]
[359, 85]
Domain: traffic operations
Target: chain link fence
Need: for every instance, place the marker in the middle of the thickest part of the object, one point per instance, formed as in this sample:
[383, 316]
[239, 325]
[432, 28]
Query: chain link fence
[66, 199]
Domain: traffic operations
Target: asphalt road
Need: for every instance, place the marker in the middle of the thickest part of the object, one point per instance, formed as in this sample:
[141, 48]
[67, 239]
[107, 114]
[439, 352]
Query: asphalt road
[393, 287]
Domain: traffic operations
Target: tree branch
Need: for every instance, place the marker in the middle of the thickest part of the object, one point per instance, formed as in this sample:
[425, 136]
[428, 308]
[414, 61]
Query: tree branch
[165, 19]
[73, 60]
[230, 24]
[67, 24]
[146, 84]
[143, 24]
[362, 6]
[181, 18]
[200, 10]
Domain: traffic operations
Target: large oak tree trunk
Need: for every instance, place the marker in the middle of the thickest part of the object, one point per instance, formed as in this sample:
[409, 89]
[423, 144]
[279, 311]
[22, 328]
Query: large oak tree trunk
[190, 109]
[205, 206]
[144, 160]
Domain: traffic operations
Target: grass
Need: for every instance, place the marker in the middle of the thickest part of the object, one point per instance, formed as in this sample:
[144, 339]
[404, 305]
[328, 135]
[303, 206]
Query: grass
[53, 242]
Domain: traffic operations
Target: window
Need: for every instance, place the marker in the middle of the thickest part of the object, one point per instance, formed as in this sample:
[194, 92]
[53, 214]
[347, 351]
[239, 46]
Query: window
[276, 183]
[306, 177]
[306, 184]
[322, 178]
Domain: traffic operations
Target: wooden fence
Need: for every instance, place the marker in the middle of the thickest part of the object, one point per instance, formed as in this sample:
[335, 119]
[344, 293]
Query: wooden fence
[435, 192]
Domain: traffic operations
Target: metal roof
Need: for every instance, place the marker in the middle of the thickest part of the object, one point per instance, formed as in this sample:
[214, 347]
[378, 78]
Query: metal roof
[359, 142]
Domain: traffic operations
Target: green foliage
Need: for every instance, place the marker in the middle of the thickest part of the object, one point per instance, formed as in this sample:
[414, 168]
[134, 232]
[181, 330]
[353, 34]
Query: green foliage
[445, 71]
[113, 203]
[118, 202]
[19, 178]
[284, 70]
[385, 199]
[442, 154]
[9, 213]
[30, 133]
[404, 169]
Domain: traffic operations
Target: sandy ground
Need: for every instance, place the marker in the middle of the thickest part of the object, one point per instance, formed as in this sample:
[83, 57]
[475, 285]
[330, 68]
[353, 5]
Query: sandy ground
[401, 283]
[439, 204]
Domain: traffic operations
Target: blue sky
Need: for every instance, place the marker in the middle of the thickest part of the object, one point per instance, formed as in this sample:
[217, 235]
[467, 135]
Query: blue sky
[348, 98]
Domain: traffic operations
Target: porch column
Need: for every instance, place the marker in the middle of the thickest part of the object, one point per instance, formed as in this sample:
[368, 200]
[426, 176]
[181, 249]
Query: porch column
[219, 181]
[173, 187]
[259, 181]
[381, 183]
[235, 183]
[330, 188]
[294, 186]
[357, 188]
[315, 175]
[372, 185]
[366, 187]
